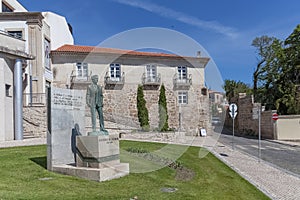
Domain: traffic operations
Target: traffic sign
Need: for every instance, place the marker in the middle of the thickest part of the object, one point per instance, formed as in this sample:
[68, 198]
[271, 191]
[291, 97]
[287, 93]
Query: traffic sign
[233, 115]
[275, 116]
[233, 107]
[255, 113]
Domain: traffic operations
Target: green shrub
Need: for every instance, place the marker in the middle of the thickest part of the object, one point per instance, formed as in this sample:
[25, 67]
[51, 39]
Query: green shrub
[136, 150]
[143, 115]
[163, 111]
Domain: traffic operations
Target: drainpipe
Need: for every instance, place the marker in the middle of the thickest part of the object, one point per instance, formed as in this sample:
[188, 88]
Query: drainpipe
[18, 99]
[30, 84]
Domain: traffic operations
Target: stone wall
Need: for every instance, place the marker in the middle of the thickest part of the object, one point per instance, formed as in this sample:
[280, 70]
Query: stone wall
[244, 122]
[121, 106]
[35, 121]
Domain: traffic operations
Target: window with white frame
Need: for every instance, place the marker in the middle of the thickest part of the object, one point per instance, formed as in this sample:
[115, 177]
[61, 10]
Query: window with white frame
[115, 72]
[151, 73]
[182, 72]
[182, 97]
[82, 70]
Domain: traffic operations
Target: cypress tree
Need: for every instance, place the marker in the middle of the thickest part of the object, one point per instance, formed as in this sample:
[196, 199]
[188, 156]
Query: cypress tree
[162, 109]
[143, 115]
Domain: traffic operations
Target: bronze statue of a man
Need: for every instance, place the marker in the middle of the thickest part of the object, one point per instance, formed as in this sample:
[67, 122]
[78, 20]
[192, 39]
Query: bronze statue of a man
[94, 99]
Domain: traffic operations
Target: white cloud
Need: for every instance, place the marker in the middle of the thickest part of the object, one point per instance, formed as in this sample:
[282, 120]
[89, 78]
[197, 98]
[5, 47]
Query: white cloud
[181, 17]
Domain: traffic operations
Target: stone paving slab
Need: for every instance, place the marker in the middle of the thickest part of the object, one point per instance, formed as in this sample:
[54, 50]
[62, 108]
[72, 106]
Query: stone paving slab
[25, 142]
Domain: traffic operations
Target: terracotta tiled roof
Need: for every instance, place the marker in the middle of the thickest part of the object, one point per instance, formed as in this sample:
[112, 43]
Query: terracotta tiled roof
[92, 49]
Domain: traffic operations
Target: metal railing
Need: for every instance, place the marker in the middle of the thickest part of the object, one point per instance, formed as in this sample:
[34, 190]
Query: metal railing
[182, 81]
[34, 99]
[10, 34]
[114, 81]
[75, 78]
[151, 80]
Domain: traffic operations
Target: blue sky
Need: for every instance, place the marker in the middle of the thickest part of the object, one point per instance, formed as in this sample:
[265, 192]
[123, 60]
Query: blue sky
[225, 29]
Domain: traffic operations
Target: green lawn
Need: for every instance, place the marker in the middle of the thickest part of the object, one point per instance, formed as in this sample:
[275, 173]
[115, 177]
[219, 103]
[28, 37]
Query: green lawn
[23, 176]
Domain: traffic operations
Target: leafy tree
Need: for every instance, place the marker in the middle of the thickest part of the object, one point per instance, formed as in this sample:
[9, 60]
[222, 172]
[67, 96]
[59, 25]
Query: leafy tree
[277, 75]
[143, 115]
[291, 75]
[233, 88]
[163, 110]
[263, 47]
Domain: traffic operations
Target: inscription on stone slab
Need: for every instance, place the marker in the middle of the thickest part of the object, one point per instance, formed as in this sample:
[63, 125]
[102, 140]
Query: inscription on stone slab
[70, 100]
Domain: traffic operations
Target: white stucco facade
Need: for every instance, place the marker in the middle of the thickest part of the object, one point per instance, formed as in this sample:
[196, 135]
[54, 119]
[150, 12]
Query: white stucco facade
[32, 33]
[59, 30]
[12, 50]
[41, 32]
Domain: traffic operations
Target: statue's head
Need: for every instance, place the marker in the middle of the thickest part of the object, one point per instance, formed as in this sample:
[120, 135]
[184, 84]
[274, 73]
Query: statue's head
[94, 79]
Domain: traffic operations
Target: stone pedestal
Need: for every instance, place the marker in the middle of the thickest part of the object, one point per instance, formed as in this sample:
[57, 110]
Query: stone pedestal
[99, 155]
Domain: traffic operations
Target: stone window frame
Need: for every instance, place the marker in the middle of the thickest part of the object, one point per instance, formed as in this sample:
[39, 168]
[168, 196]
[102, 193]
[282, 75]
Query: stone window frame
[149, 73]
[183, 97]
[82, 70]
[13, 32]
[180, 72]
[115, 74]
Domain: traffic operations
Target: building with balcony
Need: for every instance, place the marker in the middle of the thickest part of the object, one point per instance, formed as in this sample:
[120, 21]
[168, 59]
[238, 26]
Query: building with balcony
[121, 71]
[41, 32]
[26, 40]
[13, 61]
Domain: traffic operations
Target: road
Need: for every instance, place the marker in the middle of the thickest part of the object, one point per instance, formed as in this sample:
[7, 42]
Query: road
[284, 156]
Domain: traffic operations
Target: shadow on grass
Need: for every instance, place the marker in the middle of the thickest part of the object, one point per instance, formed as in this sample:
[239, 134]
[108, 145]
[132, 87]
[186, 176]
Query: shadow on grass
[42, 161]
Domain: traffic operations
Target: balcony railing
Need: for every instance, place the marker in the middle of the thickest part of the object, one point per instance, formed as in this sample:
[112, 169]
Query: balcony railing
[182, 82]
[151, 80]
[34, 99]
[114, 80]
[77, 81]
[77, 78]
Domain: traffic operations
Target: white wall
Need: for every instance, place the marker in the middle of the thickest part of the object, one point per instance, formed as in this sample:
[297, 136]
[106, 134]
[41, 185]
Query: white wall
[9, 102]
[11, 42]
[288, 127]
[59, 30]
[6, 108]
[2, 100]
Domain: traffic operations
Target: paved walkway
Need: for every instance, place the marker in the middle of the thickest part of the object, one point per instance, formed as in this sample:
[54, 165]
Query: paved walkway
[25, 142]
[274, 182]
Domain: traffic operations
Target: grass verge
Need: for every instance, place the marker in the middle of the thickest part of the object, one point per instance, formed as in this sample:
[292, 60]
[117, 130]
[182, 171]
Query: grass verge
[23, 176]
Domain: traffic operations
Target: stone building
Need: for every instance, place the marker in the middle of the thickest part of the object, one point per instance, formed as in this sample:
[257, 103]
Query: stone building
[41, 32]
[121, 71]
[32, 34]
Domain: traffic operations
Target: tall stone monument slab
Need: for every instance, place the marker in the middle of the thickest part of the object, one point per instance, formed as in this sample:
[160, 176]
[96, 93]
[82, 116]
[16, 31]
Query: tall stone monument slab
[65, 122]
